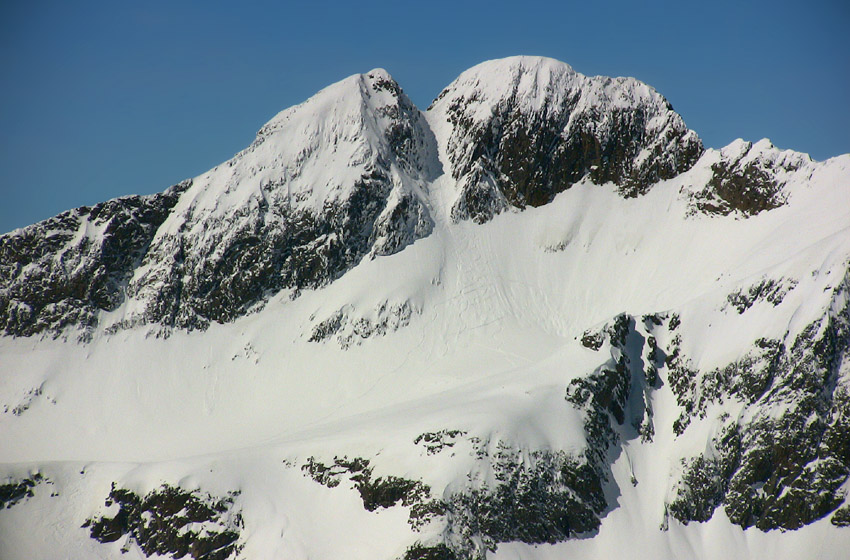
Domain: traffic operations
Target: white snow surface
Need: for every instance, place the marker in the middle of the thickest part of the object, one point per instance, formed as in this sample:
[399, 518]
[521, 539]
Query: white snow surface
[490, 346]
[541, 84]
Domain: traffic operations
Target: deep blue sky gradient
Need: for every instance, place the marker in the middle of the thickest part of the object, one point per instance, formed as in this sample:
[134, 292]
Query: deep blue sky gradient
[103, 99]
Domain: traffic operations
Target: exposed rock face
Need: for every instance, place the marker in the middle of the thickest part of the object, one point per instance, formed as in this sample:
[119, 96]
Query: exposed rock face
[17, 491]
[380, 492]
[747, 179]
[171, 521]
[524, 129]
[539, 497]
[770, 290]
[619, 393]
[67, 269]
[782, 462]
[348, 330]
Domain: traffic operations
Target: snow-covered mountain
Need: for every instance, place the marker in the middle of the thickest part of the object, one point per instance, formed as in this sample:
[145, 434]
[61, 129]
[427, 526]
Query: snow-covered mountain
[538, 320]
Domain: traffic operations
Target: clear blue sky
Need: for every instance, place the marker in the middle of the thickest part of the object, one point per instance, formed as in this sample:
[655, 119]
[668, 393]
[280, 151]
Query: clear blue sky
[103, 99]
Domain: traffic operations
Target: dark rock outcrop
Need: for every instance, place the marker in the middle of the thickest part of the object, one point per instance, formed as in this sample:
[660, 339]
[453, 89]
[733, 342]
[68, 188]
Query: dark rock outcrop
[380, 492]
[171, 521]
[768, 289]
[434, 552]
[747, 179]
[17, 491]
[539, 497]
[782, 463]
[67, 269]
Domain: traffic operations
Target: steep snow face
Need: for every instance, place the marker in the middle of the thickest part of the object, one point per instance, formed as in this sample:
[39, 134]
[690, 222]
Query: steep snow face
[517, 131]
[321, 148]
[339, 177]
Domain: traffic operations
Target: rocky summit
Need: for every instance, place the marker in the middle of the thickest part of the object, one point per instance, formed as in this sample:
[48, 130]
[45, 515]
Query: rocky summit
[538, 319]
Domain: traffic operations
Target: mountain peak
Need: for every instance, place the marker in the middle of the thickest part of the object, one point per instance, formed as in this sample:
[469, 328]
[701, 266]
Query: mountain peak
[539, 68]
[518, 131]
[378, 74]
[343, 102]
[530, 78]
